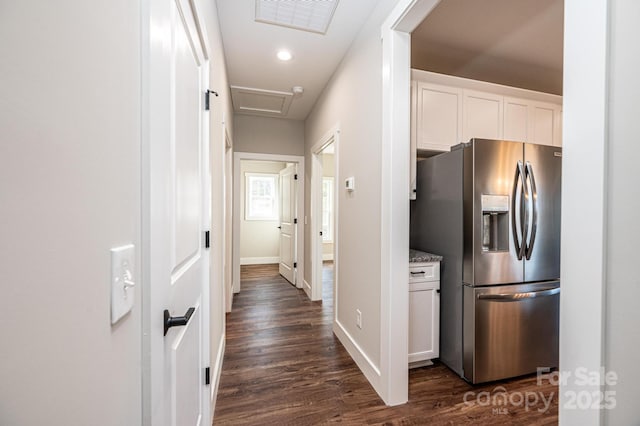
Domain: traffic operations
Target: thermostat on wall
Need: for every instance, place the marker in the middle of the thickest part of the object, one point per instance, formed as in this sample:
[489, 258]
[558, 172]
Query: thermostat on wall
[350, 184]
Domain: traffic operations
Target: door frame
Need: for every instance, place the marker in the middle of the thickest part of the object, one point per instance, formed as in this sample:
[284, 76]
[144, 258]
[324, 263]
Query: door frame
[394, 228]
[314, 289]
[255, 156]
[228, 219]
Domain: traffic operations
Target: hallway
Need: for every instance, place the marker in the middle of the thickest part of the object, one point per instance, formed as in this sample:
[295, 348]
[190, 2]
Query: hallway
[283, 365]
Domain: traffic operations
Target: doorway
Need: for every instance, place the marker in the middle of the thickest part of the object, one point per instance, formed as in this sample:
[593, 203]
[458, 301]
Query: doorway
[324, 218]
[264, 231]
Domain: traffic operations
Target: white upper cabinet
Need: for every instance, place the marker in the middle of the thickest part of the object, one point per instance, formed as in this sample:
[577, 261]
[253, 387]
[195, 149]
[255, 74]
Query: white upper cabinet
[482, 115]
[558, 132]
[438, 116]
[532, 121]
[544, 123]
[447, 110]
[516, 119]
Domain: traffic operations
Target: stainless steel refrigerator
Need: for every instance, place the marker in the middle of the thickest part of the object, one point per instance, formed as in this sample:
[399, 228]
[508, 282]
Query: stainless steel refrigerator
[492, 209]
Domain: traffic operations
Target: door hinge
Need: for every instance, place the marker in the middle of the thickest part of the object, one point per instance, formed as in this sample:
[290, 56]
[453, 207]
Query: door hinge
[295, 264]
[207, 243]
[295, 220]
[207, 96]
[321, 233]
[207, 376]
[295, 177]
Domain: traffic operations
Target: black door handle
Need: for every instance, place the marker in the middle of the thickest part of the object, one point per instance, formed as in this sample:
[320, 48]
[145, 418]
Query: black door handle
[279, 227]
[170, 321]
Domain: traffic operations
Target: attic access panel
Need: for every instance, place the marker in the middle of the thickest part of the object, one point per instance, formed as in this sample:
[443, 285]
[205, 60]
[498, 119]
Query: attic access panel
[247, 100]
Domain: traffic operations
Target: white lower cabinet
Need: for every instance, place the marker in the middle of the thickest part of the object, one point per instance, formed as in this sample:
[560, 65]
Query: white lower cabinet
[424, 312]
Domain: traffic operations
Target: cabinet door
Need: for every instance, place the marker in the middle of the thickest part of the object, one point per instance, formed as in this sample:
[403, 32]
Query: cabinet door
[543, 123]
[516, 119]
[482, 115]
[424, 323]
[438, 116]
[557, 139]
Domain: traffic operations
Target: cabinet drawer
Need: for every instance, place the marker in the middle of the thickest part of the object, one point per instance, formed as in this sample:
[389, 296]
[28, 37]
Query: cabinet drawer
[424, 285]
[424, 272]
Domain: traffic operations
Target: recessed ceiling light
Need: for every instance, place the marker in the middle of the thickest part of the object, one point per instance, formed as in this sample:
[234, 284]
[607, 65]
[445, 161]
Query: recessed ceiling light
[284, 55]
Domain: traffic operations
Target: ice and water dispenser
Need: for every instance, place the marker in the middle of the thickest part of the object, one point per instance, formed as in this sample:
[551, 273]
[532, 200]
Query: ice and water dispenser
[495, 223]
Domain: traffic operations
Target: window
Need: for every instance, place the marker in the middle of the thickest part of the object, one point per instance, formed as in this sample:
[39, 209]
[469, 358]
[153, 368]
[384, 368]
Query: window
[327, 210]
[261, 201]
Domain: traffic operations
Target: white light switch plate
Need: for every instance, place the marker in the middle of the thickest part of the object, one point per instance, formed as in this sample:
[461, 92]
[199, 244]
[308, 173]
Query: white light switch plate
[123, 274]
[350, 184]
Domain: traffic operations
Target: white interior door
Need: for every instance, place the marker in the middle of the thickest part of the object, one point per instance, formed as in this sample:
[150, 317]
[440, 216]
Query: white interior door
[178, 204]
[288, 223]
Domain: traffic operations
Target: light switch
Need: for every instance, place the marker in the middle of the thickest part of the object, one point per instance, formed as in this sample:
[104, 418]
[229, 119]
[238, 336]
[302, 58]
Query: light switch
[122, 281]
[350, 184]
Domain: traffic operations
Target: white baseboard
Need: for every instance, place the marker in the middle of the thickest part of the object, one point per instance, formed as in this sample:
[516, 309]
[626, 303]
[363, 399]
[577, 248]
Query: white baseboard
[215, 373]
[259, 260]
[327, 256]
[307, 288]
[368, 368]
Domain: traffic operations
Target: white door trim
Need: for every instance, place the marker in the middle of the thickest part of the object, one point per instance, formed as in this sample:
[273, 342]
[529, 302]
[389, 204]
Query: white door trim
[583, 255]
[315, 292]
[239, 156]
[228, 218]
[394, 262]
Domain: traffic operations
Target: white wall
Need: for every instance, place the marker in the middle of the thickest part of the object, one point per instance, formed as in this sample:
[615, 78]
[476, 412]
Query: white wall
[259, 239]
[622, 334]
[69, 191]
[267, 135]
[353, 98]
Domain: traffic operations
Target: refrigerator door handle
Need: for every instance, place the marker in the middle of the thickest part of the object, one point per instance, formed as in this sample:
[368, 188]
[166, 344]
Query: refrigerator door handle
[520, 296]
[519, 194]
[534, 212]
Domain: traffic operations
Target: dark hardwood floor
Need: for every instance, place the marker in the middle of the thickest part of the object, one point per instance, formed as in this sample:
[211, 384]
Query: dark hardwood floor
[284, 366]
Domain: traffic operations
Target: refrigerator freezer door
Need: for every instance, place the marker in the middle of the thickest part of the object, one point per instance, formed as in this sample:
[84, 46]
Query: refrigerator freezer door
[544, 255]
[493, 170]
[510, 330]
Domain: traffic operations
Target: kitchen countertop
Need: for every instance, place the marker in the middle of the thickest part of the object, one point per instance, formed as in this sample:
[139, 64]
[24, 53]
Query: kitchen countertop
[416, 256]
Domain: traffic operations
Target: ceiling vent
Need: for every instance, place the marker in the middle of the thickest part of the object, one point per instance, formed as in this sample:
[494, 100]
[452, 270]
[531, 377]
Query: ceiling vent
[306, 15]
[251, 101]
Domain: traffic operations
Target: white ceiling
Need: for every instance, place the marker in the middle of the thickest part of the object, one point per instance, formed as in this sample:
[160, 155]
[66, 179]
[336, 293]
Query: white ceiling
[251, 47]
[513, 42]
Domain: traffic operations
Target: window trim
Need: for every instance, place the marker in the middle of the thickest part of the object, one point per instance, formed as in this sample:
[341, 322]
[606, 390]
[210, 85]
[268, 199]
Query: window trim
[247, 197]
